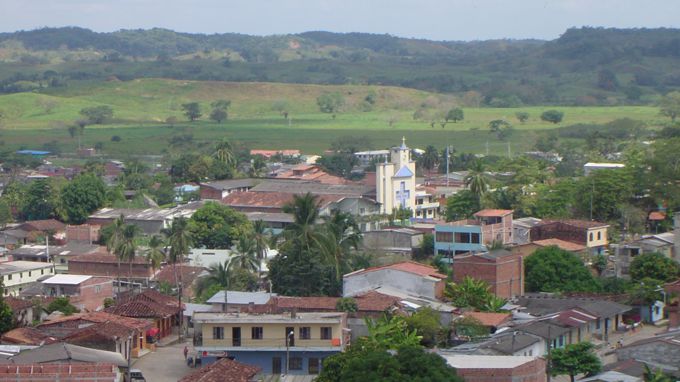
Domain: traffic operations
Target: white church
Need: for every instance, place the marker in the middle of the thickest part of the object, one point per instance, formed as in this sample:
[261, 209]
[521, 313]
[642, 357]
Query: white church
[396, 186]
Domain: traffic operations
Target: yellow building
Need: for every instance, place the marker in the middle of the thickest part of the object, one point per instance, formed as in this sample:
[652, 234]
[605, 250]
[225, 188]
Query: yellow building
[277, 343]
[396, 180]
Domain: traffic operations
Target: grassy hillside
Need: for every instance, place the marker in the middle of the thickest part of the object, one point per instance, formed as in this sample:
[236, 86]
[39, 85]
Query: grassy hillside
[141, 107]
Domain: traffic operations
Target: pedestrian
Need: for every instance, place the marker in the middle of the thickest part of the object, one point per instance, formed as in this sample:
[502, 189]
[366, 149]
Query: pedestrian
[620, 343]
[186, 352]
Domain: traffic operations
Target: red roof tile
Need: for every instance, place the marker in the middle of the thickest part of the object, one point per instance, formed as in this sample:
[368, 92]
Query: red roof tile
[43, 225]
[17, 304]
[562, 244]
[109, 330]
[187, 273]
[491, 213]
[147, 304]
[489, 319]
[27, 336]
[409, 267]
[101, 317]
[224, 370]
[657, 215]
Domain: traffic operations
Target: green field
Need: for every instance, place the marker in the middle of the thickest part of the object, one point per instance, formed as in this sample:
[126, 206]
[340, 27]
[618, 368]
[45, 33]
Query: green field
[141, 106]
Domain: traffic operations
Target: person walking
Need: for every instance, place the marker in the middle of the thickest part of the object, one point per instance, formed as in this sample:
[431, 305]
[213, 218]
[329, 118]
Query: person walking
[186, 352]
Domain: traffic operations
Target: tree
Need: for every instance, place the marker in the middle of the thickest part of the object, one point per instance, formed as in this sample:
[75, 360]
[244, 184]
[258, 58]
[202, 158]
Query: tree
[128, 247]
[430, 158]
[221, 104]
[112, 235]
[5, 213]
[224, 153]
[245, 254]
[503, 129]
[655, 266]
[468, 293]
[522, 116]
[330, 102]
[470, 327]
[6, 316]
[97, 114]
[180, 239]
[47, 104]
[339, 236]
[475, 180]
[155, 254]
[82, 196]
[606, 80]
[219, 115]
[346, 304]
[41, 200]
[62, 304]
[218, 226]
[551, 269]
[669, 106]
[574, 359]
[461, 205]
[604, 192]
[426, 323]
[192, 110]
[552, 116]
[455, 114]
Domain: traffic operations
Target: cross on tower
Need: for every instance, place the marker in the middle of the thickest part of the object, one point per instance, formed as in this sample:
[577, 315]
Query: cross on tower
[403, 194]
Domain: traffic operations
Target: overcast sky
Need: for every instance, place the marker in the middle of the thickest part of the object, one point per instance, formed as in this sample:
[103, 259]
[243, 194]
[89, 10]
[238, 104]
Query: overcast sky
[432, 19]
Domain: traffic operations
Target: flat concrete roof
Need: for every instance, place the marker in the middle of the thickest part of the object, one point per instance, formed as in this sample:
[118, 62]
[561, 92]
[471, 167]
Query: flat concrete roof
[67, 279]
[21, 266]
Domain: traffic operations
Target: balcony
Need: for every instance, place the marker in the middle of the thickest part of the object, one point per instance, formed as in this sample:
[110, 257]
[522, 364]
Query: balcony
[267, 343]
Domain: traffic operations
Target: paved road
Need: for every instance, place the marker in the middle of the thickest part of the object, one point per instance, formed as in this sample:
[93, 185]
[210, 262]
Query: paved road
[165, 364]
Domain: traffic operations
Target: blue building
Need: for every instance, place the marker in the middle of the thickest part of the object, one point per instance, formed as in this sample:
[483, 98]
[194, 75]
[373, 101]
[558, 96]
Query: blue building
[277, 343]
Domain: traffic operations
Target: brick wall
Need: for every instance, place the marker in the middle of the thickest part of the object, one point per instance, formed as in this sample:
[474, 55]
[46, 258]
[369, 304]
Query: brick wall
[82, 267]
[84, 233]
[533, 371]
[92, 293]
[505, 275]
[210, 193]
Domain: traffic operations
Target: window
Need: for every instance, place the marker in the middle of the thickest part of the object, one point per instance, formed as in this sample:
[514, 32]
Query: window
[42, 271]
[218, 333]
[590, 237]
[561, 341]
[62, 261]
[462, 237]
[313, 366]
[597, 324]
[256, 332]
[599, 235]
[444, 237]
[21, 275]
[305, 333]
[29, 273]
[295, 363]
[9, 277]
[97, 288]
[362, 211]
[474, 238]
[326, 332]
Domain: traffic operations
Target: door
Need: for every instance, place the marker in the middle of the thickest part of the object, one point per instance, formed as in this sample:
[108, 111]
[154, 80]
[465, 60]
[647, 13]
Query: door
[236, 336]
[289, 336]
[276, 365]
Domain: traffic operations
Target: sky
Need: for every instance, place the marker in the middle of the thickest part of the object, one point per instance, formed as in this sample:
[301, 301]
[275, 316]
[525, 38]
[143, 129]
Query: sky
[430, 19]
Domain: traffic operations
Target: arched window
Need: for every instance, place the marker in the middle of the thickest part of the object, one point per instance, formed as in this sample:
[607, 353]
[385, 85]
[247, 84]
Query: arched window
[591, 237]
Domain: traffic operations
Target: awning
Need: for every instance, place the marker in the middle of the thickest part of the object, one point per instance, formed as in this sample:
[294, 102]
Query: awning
[152, 332]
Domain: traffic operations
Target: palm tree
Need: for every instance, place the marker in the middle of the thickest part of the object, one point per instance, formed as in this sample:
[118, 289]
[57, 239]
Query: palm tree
[341, 234]
[430, 158]
[302, 231]
[155, 255]
[114, 241]
[261, 239]
[245, 254]
[220, 274]
[179, 239]
[476, 178]
[224, 153]
[128, 247]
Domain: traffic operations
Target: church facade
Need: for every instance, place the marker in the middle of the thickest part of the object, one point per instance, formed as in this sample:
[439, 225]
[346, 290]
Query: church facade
[396, 180]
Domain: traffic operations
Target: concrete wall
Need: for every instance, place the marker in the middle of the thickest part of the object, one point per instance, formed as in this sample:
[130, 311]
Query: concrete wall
[533, 371]
[274, 335]
[407, 282]
[16, 281]
[387, 239]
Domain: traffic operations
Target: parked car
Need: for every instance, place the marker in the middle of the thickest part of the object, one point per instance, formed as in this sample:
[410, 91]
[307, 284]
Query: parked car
[136, 376]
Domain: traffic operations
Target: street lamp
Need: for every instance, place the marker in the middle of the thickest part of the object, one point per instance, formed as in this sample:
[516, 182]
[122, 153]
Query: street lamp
[288, 336]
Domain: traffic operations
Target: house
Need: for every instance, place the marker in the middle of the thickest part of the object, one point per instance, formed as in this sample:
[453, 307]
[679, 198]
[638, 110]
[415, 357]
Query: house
[612, 376]
[310, 172]
[267, 340]
[85, 292]
[624, 253]
[275, 222]
[83, 233]
[366, 157]
[591, 234]
[85, 329]
[162, 311]
[61, 255]
[188, 275]
[224, 370]
[503, 270]
[140, 271]
[484, 368]
[661, 351]
[408, 276]
[150, 220]
[237, 301]
[393, 239]
[529, 248]
[27, 336]
[473, 235]
[285, 153]
[219, 189]
[427, 204]
[396, 181]
[63, 352]
[608, 314]
[22, 310]
[592, 166]
[47, 372]
[17, 275]
[521, 229]
[39, 228]
[492, 321]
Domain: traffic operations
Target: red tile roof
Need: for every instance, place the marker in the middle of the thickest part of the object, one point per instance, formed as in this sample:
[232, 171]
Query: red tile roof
[27, 336]
[17, 304]
[99, 372]
[101, 317]
[43, 225]
[224, 370]
[148, 304]
[187, 273]
[406, 266]
[491, 213]
[109, 330]
[657, 215]
[369, 302]
[562, 244]
[574, 318]
[489, 319]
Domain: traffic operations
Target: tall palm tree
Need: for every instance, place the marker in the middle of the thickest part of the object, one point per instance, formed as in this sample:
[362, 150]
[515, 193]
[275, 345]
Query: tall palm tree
[245, 254]
[476, 179]
[179, 240]
[155, 254]
[430, 158]
[128, 247]
[340, 235]
[220, 274]
[261, 237]
[224, 153]
[302, 231]
[114, 241]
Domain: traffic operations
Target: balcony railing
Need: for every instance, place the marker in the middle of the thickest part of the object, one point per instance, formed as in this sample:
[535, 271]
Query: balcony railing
[264, 343]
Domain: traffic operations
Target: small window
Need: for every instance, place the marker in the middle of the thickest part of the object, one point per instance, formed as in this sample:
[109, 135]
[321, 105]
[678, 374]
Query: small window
[218, 333]
[362, 211]
[474, 238]
[9, 277]
[599, 235]
[305, 333]
[21, 275]
[29, 273]
[326, 332]
[97, 288]
[591, 236]
[62, 261]
[256, 332]
[42, 271]
[295, 363]
[313, 366]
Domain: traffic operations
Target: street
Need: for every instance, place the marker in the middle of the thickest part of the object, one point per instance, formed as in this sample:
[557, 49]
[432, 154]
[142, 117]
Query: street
[165, 364]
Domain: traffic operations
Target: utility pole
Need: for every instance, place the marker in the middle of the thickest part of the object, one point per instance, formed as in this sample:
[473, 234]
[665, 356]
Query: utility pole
[288, 350]
[592, 192]
[129, 357]
[447, 165]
